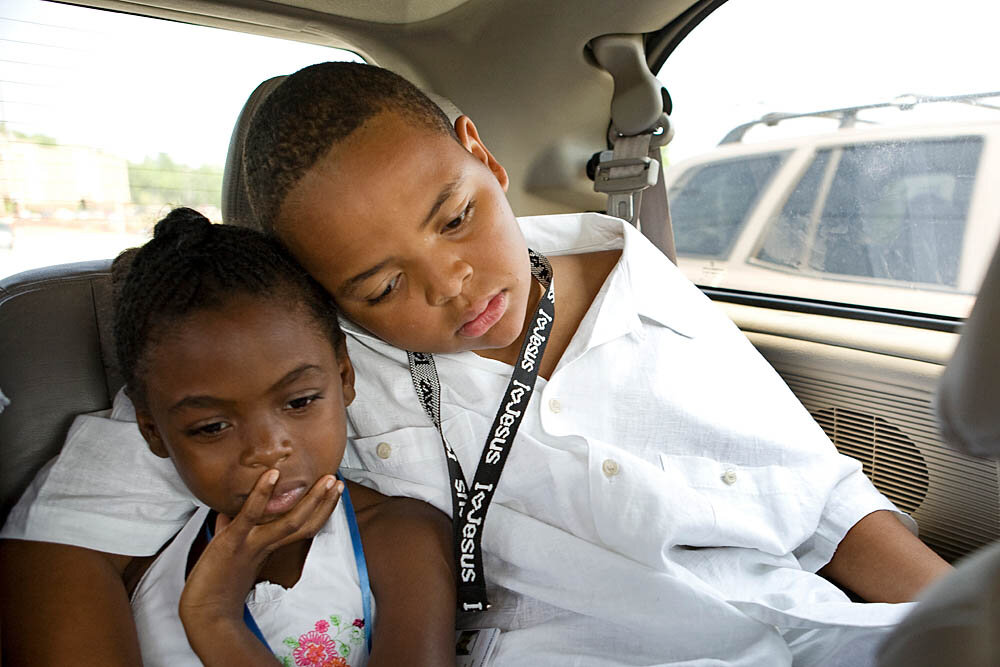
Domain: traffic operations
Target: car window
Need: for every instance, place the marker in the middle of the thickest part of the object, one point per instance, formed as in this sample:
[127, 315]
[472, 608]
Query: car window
[108, 120]
[711, 202]
[895, 211]
[883, 197]
[787, 237]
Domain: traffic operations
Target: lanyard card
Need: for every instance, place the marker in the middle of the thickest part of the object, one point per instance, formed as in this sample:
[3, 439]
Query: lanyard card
[474, 648]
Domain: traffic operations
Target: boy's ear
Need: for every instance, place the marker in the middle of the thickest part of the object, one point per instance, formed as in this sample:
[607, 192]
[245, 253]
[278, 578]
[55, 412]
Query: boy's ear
[346, 373]
[147, 427]
[468, 135]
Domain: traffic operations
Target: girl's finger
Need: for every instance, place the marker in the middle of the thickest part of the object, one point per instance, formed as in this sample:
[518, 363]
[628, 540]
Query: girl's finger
[255, 504]
[221, 521]
[308, 516]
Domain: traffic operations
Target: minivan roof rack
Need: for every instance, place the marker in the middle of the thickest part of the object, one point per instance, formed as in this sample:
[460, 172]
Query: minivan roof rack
[848, 116]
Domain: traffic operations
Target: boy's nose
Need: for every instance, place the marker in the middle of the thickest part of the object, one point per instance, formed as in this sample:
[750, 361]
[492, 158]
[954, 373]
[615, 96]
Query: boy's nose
[267, 445]
[446, 280]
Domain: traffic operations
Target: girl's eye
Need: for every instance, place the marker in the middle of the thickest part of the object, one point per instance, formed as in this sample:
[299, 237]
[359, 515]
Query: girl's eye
[461, 219]
[214, 428]
[390, 286]
[303, 402]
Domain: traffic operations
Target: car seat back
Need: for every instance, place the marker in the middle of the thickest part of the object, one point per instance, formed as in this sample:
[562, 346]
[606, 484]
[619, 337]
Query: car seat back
[58, 361]
[235, 201]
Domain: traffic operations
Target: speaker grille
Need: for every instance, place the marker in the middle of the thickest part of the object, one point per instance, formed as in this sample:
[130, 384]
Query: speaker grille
[953, 497]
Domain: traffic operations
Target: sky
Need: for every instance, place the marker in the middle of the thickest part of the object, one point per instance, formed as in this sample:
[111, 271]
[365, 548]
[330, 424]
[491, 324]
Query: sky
[808, 55]
[138, 86]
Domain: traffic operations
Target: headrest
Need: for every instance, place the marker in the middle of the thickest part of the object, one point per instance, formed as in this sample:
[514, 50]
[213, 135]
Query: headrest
[235, 202]
[967, 393]
[449, 109]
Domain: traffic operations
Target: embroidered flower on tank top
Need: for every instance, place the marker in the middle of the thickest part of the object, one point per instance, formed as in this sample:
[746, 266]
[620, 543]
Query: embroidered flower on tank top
[328, 644]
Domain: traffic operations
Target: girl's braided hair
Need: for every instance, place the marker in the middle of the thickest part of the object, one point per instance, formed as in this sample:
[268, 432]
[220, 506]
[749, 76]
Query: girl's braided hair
[311, 111]
[190, 265]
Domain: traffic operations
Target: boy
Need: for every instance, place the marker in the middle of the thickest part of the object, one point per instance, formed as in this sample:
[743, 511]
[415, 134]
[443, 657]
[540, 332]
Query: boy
[649, 513]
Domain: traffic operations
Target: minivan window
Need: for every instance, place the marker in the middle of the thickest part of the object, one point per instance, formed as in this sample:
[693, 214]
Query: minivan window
[108, 120]
[788, 237]
[712, 202]
[895, 211]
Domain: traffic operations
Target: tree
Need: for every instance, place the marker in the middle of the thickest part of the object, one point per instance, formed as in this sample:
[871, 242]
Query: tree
[159, 180]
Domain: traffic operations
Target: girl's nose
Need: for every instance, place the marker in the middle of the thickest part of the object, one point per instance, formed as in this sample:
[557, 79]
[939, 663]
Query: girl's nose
[268, 444]
[446, 280]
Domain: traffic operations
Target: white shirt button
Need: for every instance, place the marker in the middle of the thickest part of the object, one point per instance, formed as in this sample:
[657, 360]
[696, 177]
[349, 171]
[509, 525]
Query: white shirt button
[729, 477]
[384, 450]
[610, 467]
[555, 406]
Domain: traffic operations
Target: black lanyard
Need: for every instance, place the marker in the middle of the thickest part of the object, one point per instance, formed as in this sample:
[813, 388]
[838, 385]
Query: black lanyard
[469, 504]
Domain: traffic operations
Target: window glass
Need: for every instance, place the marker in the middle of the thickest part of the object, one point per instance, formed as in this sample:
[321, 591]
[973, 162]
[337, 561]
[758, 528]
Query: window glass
[711, 202]
[787, 238]
[884, 198]
[108, 120]
[894, 211]
[897, 211]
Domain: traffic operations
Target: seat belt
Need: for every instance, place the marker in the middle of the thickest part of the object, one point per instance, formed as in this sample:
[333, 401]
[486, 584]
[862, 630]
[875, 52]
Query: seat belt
[632, 173]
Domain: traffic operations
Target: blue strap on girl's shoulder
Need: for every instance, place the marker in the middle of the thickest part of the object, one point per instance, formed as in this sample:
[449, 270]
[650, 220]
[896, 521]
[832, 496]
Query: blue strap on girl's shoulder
[359, 558]
[247, 616]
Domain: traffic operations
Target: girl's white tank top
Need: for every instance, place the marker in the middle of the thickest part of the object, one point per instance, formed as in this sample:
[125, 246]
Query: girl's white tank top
[319, 621]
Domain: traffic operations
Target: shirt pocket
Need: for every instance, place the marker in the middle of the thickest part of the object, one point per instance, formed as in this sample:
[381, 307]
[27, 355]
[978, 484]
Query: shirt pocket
[770, 508]
[642, 511]
[415, 454]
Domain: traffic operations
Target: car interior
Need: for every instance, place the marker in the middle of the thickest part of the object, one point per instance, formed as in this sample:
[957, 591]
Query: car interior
[527, 73]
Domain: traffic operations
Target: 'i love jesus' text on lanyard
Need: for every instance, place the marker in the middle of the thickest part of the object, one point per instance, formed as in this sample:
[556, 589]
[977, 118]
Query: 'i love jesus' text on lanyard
[470, 503]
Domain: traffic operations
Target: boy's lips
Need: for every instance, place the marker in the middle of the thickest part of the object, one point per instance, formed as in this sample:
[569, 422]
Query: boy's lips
[284, 497]
[483, 317]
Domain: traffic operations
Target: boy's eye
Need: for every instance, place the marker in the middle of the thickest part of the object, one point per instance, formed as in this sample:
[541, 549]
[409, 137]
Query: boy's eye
[390, 286]
[461, 219]
[214, 428]
[303, 402]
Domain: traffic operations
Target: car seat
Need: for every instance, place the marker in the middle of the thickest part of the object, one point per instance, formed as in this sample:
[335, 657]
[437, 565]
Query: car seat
[58, 361]
[958, 619]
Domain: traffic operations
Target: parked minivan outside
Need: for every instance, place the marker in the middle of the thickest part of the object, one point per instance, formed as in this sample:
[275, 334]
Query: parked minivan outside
[901, 218]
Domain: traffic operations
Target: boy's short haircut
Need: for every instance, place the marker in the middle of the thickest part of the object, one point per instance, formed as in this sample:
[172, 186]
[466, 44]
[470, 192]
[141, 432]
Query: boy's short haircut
[309, 112]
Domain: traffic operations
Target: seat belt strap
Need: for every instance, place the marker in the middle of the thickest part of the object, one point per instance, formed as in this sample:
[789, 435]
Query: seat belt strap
[656, 207]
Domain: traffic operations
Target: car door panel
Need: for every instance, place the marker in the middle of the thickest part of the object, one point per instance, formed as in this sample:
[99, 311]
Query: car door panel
[870, 386]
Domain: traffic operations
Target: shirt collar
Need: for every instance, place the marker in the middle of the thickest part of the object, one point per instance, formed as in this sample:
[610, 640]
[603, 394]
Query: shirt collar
[643, 284]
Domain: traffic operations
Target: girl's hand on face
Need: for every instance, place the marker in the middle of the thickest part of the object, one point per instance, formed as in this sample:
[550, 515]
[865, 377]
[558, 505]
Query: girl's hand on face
[216, 590]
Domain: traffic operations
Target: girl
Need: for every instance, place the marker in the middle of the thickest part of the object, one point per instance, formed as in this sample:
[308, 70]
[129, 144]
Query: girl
[238, 371]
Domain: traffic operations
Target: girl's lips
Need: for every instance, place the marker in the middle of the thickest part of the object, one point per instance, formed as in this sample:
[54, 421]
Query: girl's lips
[283, 500]
[485, 320]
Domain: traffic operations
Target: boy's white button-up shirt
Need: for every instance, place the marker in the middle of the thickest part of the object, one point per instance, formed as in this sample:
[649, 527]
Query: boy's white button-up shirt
[666, 501]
